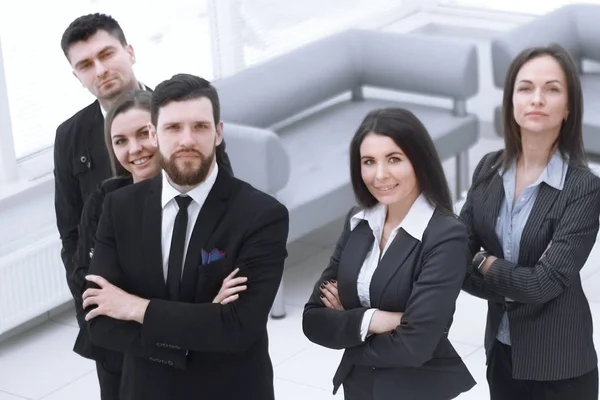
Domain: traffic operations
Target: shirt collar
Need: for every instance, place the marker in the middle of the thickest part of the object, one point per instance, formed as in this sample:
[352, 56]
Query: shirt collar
[198, 194]
[553, 175]
[414, 223]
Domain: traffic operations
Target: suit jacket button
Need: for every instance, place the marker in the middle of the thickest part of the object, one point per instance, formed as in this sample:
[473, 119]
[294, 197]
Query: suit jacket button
[170, 363]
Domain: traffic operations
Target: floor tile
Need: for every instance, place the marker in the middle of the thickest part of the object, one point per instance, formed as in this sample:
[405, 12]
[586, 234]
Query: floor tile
[85, 387]
[327, 236]
[470, 316]
[300, 278]
[592, 265]
[8, 396]
[312, 367]
[66, 318]
[591, 286]
[464, 350]
[476, 365]
[286, 338]
[42, 356]
[286, 390]
[299, 251]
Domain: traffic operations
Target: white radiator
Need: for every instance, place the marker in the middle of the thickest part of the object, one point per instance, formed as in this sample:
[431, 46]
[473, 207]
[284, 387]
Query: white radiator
[32, 282]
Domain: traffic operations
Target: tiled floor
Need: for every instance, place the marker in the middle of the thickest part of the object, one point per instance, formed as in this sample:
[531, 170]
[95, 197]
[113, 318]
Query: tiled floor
[39, 364]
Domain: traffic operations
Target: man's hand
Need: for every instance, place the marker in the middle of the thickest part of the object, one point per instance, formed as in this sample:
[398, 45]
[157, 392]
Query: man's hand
[113, 302]
[230, 288]
[384, 321]
[330, 296]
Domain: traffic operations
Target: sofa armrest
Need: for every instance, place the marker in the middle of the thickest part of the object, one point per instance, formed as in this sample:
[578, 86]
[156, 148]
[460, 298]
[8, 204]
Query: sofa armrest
[557, 26]
[257, 157]
[420, 64]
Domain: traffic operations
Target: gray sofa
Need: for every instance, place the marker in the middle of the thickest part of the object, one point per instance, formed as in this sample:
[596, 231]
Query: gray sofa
[575, 27]
[289, 121]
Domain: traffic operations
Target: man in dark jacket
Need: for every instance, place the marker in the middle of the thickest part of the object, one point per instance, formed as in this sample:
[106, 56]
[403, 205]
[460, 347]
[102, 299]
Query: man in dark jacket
[102, 61]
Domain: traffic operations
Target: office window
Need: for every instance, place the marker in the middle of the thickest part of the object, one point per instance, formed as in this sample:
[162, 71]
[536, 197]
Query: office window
[43, 92]
[168, 38]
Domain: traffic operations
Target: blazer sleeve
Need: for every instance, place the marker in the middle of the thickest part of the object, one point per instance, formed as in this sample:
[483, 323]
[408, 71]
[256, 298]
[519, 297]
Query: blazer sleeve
[571, 245]
[236, 326]
[67, 200]
[429, 309]
[474, 283]
[90, 216]
[113, 334]
[331, 328]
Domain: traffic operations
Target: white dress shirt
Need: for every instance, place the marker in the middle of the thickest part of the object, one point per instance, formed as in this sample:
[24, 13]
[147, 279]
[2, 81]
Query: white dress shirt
[414, 223]
[170, 209]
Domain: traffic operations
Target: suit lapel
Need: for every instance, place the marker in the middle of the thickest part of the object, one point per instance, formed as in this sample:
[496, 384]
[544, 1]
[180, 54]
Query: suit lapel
[545, 199]
[391, 262]
[491, 208]
[152, 238]
[358, 245]
[211, 212]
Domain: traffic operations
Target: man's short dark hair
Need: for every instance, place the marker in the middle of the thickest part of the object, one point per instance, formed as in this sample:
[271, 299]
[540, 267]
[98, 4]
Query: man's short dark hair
[86, 26]
[182, 87]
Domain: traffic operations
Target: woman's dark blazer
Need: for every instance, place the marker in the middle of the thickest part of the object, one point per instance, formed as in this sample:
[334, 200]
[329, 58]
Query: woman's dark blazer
[92, 210]
[550, 320]
[421, 280]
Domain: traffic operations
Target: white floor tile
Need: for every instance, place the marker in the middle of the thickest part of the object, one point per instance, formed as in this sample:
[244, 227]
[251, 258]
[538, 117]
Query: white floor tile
[85, 387]
[40, 361]
[592, 265]
[469, 320]
[299, 279]
[286, 338]
[8, 396]
[312, 367]
[286, 390]
[464, 350]
[591, 284]
[327, 236]
[476, 365]
[299, 251]
[66, 318]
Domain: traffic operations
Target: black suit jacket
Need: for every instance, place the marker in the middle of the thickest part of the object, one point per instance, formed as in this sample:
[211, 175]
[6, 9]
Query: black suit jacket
[420, 279]
[81, 164]
[193, 348]
[550, 319]
[90, 216]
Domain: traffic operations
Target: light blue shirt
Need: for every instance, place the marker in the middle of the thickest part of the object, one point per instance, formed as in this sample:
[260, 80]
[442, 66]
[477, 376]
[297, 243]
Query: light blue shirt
[513, 215]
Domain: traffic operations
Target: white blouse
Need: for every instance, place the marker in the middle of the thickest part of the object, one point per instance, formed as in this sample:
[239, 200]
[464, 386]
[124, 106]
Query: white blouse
[414, 223]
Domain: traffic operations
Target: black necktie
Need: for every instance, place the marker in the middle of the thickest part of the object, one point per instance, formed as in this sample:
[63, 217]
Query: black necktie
[177, 247]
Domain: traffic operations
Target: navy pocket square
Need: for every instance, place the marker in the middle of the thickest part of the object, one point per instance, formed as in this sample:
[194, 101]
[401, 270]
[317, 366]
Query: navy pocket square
[214, 255]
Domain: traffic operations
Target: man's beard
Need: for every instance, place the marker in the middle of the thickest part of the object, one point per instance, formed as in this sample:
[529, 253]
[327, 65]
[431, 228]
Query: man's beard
[187, 177]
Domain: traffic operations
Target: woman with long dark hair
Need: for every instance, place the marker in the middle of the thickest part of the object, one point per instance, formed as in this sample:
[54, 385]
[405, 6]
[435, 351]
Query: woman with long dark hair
[389, 292]
[532, 213]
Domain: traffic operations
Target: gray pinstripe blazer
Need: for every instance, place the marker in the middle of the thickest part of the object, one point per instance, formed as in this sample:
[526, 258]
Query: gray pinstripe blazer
[550, 319]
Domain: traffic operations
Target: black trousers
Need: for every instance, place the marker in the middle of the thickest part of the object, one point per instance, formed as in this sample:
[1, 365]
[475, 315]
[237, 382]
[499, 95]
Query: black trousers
[504, 387]
[109, 377]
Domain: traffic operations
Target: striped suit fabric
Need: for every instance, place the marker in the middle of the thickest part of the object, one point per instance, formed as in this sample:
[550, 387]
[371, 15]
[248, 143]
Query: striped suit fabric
[550, 319]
